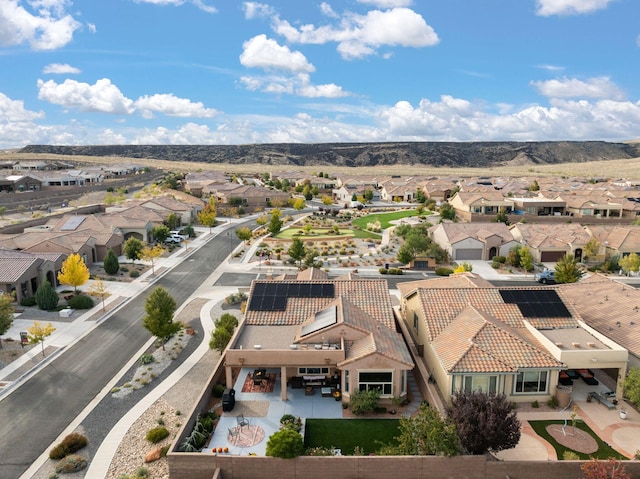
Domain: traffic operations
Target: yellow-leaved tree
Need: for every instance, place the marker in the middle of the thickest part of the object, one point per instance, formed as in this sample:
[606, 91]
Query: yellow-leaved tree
[38, 332]
[150, 253]
[74, 271]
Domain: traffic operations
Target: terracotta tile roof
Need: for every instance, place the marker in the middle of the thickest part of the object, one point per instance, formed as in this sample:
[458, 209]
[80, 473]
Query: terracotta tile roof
[476, 343]
[372, 296]
[13, 264]
[608, 306]
[456, 232]
[624, 238]
[551, 235]
[460, 280]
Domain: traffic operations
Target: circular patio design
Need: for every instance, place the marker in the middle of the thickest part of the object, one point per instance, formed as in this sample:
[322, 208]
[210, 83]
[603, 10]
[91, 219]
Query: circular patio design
[573, 438]
[247, 436]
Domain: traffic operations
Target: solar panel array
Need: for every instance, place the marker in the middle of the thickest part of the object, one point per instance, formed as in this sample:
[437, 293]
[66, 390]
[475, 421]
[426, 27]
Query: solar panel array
[273, 296]
[536, 303]
[321, 320]
[72, 223]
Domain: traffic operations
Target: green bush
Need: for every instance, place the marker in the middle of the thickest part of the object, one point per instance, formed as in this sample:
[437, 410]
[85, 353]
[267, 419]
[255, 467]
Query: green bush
[81, 301]
[157, 434]
[28, 302]
[443, 271]
[70, 444]
[500, 259]
[553, 402]
[218, 390]
[70, 464]
[285, 443]
[147, 359]
[134, 273]
[495, 264]
[363, 402]
[289, 421]
[395, 271]
[383, 271]
[46, 297]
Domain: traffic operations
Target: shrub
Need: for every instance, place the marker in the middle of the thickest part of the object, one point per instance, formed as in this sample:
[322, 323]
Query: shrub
[28, 302]
[218, 390]
[363, 402]
[395, 271]
[111, 263]
[157, 434]
[500, 259]
[318, 451]
[134, 274]
[147, 359]
[285, 443]
[70, 464]
[81, 301]
[71, 443]
[46, 297]
[383, 271]
[443, 271]
[553, 402]
[289, 421]
[495, 264]
[570, 456]
[535, 404]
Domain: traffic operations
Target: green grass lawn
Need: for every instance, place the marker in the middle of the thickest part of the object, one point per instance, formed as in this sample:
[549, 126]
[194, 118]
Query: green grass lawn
[346, 434]
[385, 218]
[604, 451]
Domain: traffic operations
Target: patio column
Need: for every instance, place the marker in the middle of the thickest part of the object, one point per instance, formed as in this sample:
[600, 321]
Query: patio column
[283, 383]
[228, 376]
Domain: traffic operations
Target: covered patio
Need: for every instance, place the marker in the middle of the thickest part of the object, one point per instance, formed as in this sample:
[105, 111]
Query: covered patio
[263, 410]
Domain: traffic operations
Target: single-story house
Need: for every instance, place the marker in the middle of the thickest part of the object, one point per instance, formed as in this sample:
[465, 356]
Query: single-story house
[21, 274]
[473, 241]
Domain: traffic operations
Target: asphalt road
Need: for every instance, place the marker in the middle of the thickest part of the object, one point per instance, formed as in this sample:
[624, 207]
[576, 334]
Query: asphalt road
[36, 412]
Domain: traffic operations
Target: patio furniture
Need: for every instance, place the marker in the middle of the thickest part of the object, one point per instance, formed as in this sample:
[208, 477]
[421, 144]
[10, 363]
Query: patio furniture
[259, 375]
[602, 400]
[233, 432]
[565, 379]
[588, 377]
[242, 421]
[326, 392]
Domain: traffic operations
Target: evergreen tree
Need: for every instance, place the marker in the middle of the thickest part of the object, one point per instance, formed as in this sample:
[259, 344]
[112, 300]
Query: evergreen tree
[46, 297]
[6, 314]
[111, 263]
[297, 251]
[275, 225]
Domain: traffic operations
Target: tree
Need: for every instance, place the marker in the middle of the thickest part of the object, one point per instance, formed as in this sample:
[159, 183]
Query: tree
[150, 253]
[285, 443]
[513, 256]
[221, 336]
[111, 263]
[275, 225]
[484, 422]
[38, 332]
[99, 290]
[501, 217]
[630, 262]
[133, 248]
[526, 260]
[207, 217]
[405, 254]
[172, 221]
[427, 434]
[299, 204]
[463, 267]
[46, 297]
[591, 249]
[74, 271]
[609, 469]
[244, 233]
[567, 270]
[160, 233]
[534, 186]
[297, 251]
[160, 307]
[6, 314]
[447, 212]
[632, 386]
[326, 200]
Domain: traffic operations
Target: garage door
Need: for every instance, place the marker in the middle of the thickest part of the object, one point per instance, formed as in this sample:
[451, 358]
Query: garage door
[468, 253]
[551, 256]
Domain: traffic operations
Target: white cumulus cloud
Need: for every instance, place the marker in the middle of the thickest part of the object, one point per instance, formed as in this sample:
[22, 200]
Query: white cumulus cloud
[171, 105]
[257, 10]
[361, 35]
[102, 96]
[60, 68]
[49, 27]
[600, 87]
[547, 8]
[265, 53]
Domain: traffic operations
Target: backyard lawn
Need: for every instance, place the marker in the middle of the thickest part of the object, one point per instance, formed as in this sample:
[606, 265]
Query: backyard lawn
[604, 450]
[346, 434]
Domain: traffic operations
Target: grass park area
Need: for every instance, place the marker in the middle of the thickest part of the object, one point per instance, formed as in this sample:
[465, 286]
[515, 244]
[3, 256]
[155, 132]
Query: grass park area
[345, 434]
[604, 450]
[385, 219]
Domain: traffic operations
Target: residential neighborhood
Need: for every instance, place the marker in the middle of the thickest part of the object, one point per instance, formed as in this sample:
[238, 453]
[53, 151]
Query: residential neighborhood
[335, 326]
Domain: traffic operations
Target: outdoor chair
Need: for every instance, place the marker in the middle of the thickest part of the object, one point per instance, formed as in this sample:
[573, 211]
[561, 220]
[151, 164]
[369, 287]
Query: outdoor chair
[233, 432]
[242, 421]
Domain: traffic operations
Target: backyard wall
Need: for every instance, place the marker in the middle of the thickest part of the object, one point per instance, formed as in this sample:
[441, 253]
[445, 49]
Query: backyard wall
[203, 466]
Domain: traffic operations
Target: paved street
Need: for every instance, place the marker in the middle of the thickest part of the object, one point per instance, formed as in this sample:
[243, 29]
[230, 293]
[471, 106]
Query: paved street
[35, 413]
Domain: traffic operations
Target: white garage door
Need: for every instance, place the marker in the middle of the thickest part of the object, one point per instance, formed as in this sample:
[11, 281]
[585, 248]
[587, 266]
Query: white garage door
[468, 253]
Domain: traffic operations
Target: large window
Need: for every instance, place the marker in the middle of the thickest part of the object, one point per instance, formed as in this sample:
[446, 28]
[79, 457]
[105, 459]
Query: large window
[381, 381]
[486, 384]
[531, 382]
[313, 370]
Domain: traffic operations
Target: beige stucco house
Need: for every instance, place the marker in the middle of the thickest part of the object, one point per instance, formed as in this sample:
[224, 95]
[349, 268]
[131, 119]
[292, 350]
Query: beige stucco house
[473, 241]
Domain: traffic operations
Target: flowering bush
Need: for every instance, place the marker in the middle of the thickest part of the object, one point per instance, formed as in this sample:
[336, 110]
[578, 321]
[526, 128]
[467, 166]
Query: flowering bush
[319, 451]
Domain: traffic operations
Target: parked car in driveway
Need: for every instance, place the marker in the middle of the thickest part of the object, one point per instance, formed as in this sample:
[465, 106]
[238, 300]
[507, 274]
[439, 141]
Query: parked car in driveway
[175, 239]
[548, 276]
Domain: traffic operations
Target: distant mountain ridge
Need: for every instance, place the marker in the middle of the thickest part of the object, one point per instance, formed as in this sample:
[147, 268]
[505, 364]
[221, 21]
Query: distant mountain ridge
[443, 154]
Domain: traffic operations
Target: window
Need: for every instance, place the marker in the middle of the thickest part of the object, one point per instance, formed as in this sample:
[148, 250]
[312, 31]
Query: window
[403, 383]
[531, 382]
[486, 384]
[313, 370]
[381, 381]
[415, 321]
[346, 380]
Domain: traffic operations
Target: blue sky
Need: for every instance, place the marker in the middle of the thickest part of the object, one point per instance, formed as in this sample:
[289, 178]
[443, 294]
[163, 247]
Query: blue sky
[83, 72]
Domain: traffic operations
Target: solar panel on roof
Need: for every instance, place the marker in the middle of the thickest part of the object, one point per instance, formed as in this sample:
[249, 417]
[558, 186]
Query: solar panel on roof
[72, 223]
[279, 303]
[321, 320]
[536, 303]
[258, 288]
[256, 303]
